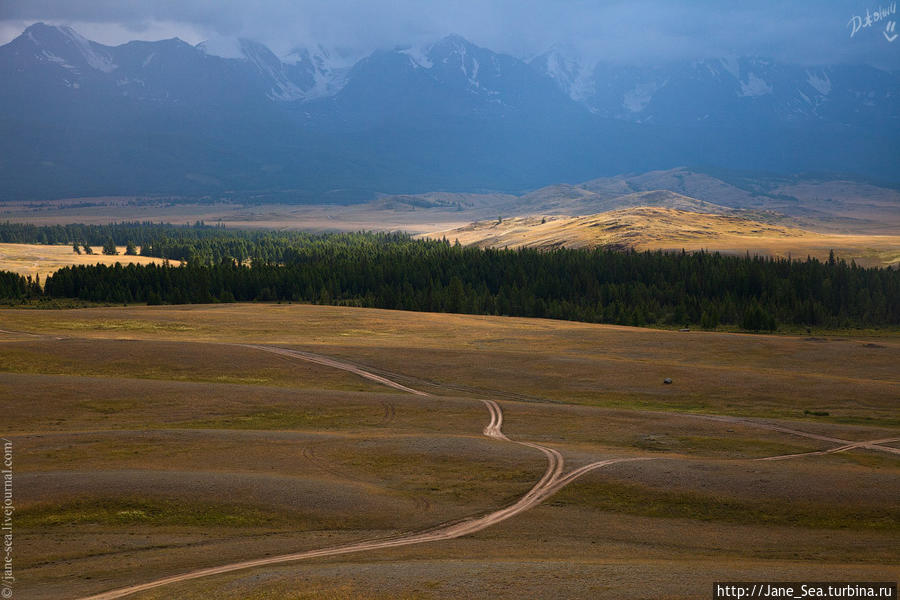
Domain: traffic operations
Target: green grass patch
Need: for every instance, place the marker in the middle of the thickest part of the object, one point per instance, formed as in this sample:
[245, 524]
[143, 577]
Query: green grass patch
[310, 590]
[704, 405]
[146, 512]
[32, 362]
[118, 325]
[876, 421]
[273, 419]
[442, 476]
[649, 502]
[109, 406]
[739, 447]
[733, 445]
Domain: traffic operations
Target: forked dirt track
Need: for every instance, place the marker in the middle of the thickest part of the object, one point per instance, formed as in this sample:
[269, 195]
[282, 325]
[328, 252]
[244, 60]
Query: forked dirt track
[551, 482]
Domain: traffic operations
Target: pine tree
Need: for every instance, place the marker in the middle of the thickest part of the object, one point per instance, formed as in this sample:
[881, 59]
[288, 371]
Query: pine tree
[756, 319]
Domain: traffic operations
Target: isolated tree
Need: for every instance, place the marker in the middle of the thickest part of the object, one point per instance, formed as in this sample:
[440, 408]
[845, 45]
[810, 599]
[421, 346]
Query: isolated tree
[76, 248]
[130, 250]
[87, 249]
[109, 248]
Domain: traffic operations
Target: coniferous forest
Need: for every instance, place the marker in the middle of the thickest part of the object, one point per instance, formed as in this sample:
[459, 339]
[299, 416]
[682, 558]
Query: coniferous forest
[397, 272]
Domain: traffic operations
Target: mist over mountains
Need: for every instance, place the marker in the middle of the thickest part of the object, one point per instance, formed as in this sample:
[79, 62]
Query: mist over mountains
[81, 119]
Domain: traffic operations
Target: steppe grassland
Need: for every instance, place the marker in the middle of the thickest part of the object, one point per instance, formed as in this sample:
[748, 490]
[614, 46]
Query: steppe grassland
[241, 453]
[42, 260]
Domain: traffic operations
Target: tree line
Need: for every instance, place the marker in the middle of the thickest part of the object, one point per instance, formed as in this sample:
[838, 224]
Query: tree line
[137, 233]
[397, 272]
[196, 242]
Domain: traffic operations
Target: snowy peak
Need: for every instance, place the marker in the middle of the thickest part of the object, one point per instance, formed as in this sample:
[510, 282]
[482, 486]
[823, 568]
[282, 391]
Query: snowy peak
[744, 77]
[457, 58]
[569, 72]
[455, 71]
[417, 55]
[168, 117]
[318, 71]
[725, 89]
[66, 48]
[460, 64]
[452, 45]
[282, 88]
[300, 75]
[222, 47]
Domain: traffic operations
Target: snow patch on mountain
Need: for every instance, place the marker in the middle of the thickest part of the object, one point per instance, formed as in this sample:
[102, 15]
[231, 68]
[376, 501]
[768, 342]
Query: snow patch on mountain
[473, 74]
[96, 59]
[754, 87]
[327, 83]
[418, 56]
[570, 74]
[268, 64]
[327, 69]
[223, 47]
[732, 65]
[48, 56]
[637, 99]
[129, 81]
[820, 84]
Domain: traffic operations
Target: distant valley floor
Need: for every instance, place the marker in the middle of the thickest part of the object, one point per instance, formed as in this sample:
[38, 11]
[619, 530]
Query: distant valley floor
[674, 209]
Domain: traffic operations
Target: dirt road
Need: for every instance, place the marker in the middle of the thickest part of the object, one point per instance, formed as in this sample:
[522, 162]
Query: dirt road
[843, 445]
[551, 481]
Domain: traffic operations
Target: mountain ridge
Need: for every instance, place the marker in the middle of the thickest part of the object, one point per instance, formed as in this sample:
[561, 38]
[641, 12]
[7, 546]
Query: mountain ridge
[81, 118]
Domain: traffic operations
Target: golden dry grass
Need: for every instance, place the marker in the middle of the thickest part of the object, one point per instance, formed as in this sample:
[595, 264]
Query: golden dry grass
[42, 260]
[572, 362]
[655, 228]
[317, 217]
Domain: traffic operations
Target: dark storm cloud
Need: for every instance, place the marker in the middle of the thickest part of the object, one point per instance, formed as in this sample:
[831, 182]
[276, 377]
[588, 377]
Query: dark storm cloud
[637, 31]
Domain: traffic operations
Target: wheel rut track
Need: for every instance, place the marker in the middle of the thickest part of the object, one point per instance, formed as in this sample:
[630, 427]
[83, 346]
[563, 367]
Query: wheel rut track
[550, 482]
[843, 445]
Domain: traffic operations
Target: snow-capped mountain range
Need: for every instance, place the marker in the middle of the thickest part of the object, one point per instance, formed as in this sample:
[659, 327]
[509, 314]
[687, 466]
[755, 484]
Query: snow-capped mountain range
[726, 89]
[230, 114]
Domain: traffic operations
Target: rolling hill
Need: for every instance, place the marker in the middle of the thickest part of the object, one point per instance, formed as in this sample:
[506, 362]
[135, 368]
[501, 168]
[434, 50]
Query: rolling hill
[657, 227]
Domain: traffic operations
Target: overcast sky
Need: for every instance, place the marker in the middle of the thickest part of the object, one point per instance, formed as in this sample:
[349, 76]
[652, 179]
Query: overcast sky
[638, 31]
